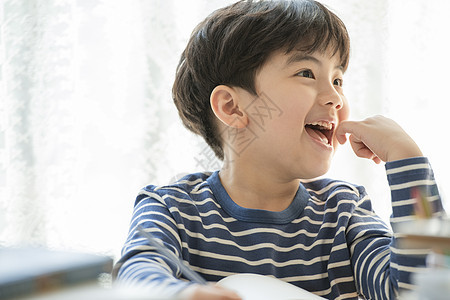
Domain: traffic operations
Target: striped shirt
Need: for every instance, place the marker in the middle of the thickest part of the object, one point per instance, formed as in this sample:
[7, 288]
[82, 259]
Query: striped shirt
[328, 241]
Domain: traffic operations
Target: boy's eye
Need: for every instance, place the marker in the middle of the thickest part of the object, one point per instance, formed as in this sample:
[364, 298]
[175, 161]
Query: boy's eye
[306, 73]
[338, 82]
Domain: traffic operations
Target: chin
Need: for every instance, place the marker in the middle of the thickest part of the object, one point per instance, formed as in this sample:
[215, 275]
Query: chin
[317, 172]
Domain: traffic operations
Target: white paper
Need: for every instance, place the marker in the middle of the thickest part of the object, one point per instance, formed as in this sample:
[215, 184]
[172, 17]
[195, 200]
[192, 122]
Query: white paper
[259, 287]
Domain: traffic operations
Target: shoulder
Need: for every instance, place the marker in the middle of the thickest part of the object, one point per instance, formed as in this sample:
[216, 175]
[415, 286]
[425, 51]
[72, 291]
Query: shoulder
[325, 188]
[339, 196]
[191, 187]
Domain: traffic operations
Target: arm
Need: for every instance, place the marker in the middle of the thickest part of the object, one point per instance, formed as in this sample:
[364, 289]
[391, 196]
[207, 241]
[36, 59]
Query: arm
[142, 266]
[380, 267]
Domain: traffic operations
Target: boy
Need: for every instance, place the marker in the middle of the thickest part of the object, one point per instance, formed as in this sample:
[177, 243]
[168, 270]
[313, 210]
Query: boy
[261, 82]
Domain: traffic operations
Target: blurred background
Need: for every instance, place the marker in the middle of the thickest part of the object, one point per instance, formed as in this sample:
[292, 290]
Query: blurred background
[87, 119]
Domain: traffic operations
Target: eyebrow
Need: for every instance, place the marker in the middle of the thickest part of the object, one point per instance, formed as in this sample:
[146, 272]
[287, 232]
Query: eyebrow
[301, 56]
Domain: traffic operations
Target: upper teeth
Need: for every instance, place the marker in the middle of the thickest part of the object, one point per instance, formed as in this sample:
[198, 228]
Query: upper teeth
[323, 124]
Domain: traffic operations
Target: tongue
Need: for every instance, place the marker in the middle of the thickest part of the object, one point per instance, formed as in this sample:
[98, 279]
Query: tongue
[317, 134]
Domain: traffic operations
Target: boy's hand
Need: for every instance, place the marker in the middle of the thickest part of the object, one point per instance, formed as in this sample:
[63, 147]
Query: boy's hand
[208, 292]
[378, 138]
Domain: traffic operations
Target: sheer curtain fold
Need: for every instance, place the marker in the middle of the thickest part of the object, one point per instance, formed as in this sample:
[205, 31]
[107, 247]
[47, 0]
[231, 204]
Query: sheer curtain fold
[37, 91]
[86, 116]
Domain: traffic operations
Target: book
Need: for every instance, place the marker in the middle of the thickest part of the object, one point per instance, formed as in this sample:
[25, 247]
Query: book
[259, 287]
[26, 271]
[430, 233]
[92, 291]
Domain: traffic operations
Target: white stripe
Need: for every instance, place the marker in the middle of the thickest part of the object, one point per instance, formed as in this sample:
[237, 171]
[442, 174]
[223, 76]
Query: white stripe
[350, 189]
[260, 262]
[407, 286]
[366, 213]
[362, 224]
[410, 251]
[410, 269]
[154, 213]
[133, 265]
[338, 264]
[366, 273]
[151, 195]
[360, 236]
[387, 287]
[409, 184]
[259, 230]
[161, 224]
[261, 245]
[140, 206]
[347, 296]
[370, 218]
[407, 168]
[202, 190]
[359, 266]
[203, 215]
[173, 188]
[382, 264]
[339, 246]
[212, 271]
[192, 202]
[134, 246]
[412, 201]
[264, 230]
[305, 277]
[372, 263]
[402, 219]
[316, 200]
[363, 200]
[190, 182]
[403, 202]
[332, 209]
[343, 191]
[333, 283]
[317, 212]
[201, 185]
[307, 219]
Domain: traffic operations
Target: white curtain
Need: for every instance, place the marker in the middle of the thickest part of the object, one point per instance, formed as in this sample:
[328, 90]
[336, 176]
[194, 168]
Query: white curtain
[86, 116]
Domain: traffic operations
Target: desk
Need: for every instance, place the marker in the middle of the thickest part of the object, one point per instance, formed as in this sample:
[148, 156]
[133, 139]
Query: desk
[94, 292]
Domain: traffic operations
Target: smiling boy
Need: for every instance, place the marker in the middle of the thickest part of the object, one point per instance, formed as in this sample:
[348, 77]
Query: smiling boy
[262, 82]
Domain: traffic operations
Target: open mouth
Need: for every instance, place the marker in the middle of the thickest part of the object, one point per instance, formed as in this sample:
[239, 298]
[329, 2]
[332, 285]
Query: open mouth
[321, 131]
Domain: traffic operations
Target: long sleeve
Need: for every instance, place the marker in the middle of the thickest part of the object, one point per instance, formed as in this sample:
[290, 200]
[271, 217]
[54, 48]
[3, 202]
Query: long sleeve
[141, 265]
[403, 176]
[382, 269]
[329, 241]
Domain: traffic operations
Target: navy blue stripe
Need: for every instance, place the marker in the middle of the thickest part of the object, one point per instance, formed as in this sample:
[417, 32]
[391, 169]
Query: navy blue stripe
[309, 240]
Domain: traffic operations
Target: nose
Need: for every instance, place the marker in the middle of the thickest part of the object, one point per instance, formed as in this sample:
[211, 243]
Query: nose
[331, 98]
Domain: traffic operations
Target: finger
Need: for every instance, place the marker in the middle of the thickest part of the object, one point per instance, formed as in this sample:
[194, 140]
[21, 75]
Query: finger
[208, 292]
[360, 149]
[377, 160]
[345, 127]
[224, 292]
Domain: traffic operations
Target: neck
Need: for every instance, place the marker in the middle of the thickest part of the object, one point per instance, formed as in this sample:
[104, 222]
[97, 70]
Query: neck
[257, 188]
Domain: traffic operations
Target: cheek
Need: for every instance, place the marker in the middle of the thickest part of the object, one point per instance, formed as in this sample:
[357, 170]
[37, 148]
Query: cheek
[344, 112]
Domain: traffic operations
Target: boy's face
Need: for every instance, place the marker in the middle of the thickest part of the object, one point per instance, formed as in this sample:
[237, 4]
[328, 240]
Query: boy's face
[307, 89]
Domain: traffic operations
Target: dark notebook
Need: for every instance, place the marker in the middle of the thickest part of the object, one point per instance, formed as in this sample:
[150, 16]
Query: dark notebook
[25, 271]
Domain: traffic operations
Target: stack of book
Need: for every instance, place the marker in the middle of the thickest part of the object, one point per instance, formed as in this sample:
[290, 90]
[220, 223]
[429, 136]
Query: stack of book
[37, 271]
[432, 234]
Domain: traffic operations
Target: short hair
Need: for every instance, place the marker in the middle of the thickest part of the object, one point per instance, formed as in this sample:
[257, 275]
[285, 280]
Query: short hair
[233, 43]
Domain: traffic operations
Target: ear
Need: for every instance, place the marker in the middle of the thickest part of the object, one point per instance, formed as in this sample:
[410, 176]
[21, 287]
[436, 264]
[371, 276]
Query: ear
[226, 105]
